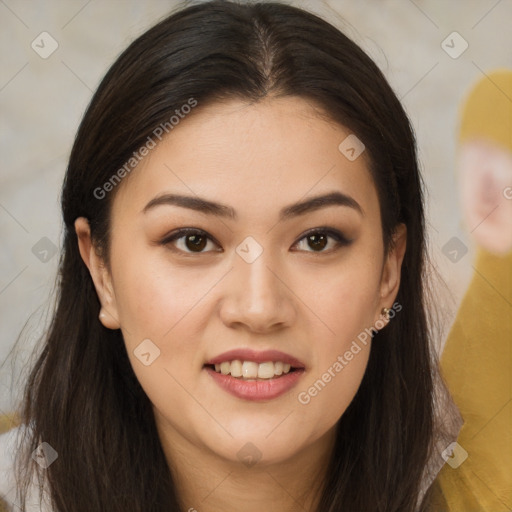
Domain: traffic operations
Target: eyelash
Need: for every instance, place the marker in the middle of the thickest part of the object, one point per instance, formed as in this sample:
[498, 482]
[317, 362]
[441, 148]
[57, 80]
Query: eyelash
[341, 240]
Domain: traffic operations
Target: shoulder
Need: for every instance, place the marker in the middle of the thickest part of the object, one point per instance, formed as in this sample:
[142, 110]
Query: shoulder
[9, 445]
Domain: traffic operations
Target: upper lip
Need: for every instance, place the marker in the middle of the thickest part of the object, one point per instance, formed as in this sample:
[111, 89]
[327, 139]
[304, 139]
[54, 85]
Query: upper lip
[245, 354]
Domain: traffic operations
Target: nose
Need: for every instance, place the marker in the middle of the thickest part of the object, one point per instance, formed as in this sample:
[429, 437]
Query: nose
[257, 296]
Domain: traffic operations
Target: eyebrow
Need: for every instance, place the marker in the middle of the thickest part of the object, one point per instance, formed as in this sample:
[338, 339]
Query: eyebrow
[207, 207]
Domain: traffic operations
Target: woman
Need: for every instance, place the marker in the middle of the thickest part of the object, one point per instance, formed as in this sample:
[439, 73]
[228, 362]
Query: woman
[241, 320]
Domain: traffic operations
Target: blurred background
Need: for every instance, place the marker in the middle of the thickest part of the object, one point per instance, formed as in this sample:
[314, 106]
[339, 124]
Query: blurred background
[54, 54]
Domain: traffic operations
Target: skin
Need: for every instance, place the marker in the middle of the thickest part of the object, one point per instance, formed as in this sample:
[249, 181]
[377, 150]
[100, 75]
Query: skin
[485, 172]
[306, 301]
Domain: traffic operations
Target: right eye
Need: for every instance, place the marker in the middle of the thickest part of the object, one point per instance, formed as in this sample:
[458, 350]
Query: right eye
[189, 241]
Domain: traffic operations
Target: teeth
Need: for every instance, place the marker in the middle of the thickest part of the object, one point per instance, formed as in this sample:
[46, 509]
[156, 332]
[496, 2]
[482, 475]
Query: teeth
[225, 368]
[265, 370]
[251, 370]
[236, 369]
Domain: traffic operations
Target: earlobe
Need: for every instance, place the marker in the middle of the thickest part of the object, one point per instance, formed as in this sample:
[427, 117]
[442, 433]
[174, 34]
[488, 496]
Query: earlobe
[108, 320]
[99, 274]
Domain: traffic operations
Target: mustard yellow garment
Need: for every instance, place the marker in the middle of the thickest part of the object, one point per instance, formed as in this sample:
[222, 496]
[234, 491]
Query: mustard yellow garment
[487, 112]
[477, 359]
[477, 365]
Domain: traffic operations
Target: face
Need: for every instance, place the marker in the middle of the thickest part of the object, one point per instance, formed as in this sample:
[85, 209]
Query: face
[486, 190]
[255, 280]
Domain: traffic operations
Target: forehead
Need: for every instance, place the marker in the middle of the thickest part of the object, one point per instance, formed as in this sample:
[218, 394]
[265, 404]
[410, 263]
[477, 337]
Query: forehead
[250, 156]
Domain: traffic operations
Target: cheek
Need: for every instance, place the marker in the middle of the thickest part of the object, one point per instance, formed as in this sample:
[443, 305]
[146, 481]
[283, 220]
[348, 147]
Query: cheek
[162, 303]
[153, 296]
[351, 291]
[327, 393]
[348, 307]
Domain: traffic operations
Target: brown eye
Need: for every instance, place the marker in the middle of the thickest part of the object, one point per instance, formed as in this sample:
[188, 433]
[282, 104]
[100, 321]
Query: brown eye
[318, 239]
[188, 241]
[195, 242]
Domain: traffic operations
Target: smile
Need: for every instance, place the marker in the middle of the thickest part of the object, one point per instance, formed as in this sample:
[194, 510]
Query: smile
[256, 376]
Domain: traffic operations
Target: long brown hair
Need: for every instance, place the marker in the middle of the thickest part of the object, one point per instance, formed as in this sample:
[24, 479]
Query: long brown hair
[82, 396]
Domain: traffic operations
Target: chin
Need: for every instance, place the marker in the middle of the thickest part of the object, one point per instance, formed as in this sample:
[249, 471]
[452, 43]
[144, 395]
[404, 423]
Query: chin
[257, 449]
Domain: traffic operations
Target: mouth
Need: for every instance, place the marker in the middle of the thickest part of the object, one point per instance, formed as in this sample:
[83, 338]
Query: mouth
[254, 375]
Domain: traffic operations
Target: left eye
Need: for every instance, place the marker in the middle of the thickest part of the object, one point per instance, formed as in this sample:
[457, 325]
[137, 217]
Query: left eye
[195, 241]
[318, 239]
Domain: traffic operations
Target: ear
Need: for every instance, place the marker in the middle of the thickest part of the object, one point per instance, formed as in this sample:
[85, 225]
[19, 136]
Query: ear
[99, 273]
[390, 279]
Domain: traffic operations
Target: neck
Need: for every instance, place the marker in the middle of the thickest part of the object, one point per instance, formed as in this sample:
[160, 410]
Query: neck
[207, 482]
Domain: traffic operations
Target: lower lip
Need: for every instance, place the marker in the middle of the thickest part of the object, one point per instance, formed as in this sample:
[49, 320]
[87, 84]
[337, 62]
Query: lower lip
[257, 390]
